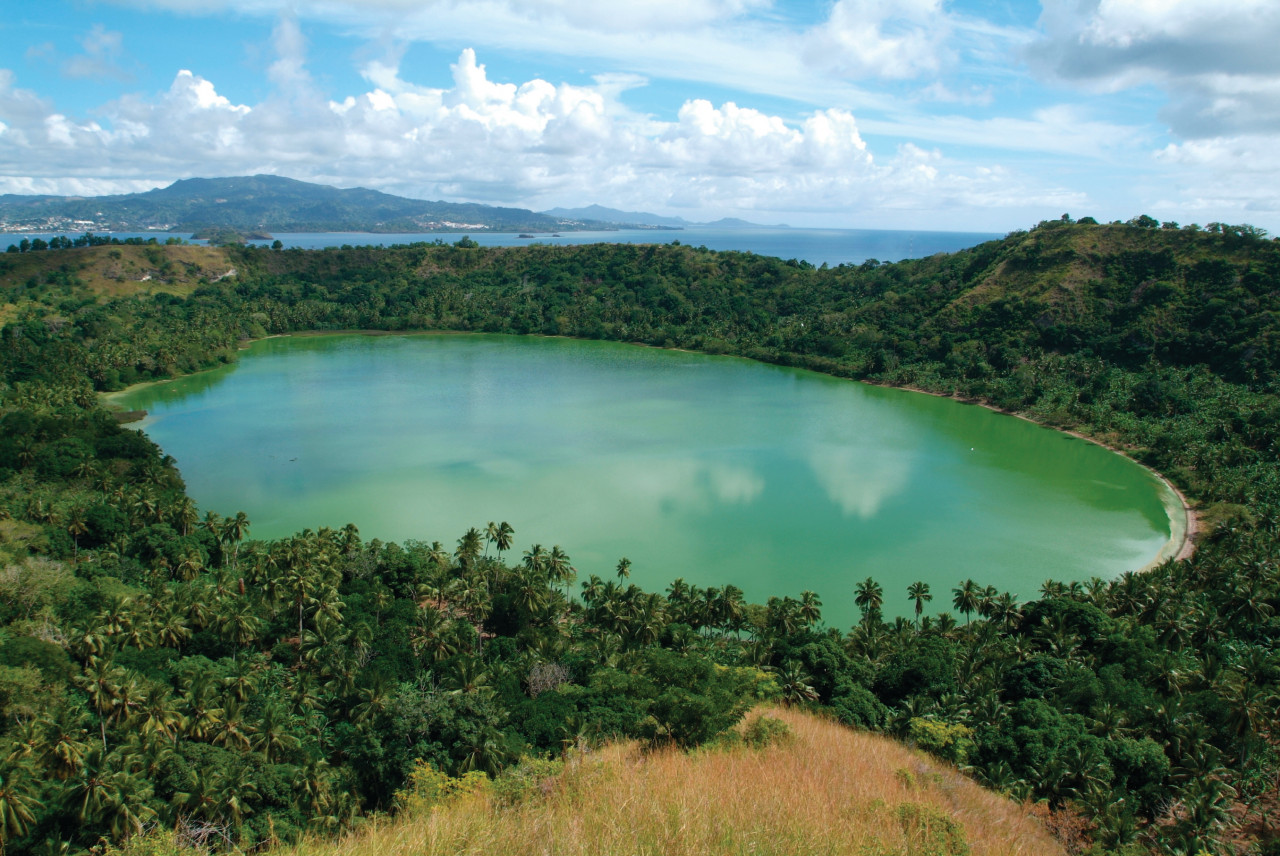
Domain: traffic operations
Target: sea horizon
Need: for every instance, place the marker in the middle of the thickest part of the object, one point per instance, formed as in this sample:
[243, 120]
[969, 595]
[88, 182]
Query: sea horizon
[817, 246]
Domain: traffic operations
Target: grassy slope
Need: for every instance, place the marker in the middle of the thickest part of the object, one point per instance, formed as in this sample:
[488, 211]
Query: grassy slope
[826, 790]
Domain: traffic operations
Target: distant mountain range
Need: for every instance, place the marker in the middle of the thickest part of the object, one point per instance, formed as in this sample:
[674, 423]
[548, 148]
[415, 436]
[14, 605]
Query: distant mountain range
[269, 203]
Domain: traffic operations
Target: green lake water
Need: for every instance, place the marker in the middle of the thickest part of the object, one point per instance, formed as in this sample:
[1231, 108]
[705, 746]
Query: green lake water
[714, 469]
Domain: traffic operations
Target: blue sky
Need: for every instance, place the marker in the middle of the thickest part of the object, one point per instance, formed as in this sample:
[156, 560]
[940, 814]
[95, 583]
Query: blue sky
[974, 115]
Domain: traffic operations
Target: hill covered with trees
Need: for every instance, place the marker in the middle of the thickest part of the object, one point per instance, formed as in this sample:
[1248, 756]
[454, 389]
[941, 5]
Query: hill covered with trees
[159, 666]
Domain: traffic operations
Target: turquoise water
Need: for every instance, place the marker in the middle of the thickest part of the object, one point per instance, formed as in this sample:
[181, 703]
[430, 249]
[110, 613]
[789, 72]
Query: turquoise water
[714, 469]
[818, 246]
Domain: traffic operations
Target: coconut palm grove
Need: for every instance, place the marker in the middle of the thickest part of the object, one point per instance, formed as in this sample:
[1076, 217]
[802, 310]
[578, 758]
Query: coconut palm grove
[168, 681]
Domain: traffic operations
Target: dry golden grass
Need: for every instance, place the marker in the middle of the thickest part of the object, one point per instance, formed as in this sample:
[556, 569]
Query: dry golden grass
[827, 790]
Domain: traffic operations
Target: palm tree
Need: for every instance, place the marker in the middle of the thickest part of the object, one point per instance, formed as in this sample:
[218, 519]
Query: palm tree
[199, 797]
[1249, 602]
[240, 625]
[214, 523]
[732, 609]
[502, 538]
[350, 539]
[203, 714]
[328, 615]
[432, 635]
[274, 738]
[235, 732]
[795, 684]
[535, 559]
[810, 607]
[374, 700]
[438, 556]
[185, 515]
[648, 619]
[305, 695]
[490, 536]
[966, 597]
[782, 615]
[1005, 610]
[19, 787]
[241, 681]
[312, 787]
[233, 531]
[189, 566]
[171, 628]
[77, 525]
[39, 510]
[558, 566]
[986, 601]
[869, 598]
[532, 594]
[592, 589]
[149, 757]
[238, 791]
[919, 592]
[107, 795]
[469, 546]
[1206, 811]
[1052, 588]
[624, 568]
[158, 714]
[469, 675]
[485, 752]
[301, 581]
[102, 681]
[945, 624]
[63, 739]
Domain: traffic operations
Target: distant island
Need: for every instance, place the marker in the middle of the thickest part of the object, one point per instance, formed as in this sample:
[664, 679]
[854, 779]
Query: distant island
[220, 235]
[263, 204]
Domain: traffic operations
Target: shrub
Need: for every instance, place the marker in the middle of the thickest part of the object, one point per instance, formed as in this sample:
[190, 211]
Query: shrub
[950, 741]
[428, 787]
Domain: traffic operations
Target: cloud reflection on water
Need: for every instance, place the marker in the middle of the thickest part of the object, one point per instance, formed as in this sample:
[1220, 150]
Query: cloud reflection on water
[857, 480]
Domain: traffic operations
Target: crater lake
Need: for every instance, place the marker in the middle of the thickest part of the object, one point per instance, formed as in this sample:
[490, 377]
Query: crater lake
[714, 469]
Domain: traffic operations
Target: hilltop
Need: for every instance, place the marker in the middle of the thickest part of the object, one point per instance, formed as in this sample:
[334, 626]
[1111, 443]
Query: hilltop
[817, 788]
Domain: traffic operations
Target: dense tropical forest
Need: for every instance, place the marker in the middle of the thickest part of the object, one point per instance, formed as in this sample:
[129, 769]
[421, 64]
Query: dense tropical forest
[160, 668]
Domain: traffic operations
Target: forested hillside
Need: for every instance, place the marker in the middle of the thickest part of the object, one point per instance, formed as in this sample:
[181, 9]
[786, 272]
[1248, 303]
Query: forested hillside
[157, 665]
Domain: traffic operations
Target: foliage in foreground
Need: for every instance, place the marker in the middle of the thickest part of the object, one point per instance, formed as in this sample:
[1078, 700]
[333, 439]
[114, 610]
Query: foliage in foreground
[814, 788]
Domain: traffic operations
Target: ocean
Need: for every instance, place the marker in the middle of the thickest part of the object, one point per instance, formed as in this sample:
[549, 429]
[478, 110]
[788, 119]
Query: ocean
[817, 246]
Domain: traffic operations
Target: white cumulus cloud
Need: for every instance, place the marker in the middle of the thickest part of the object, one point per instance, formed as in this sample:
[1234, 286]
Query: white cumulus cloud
[1217, 61]
[533, 143]
[1219, 69]
[881, 38]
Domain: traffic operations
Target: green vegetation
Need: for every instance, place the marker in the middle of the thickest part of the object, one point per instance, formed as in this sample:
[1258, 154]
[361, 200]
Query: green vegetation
[845, 792]
[218, 236]
[157, 666]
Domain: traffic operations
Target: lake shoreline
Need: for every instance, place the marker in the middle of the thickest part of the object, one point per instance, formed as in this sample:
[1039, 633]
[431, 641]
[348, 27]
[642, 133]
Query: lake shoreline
[1191, 528]
[1184, 535]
